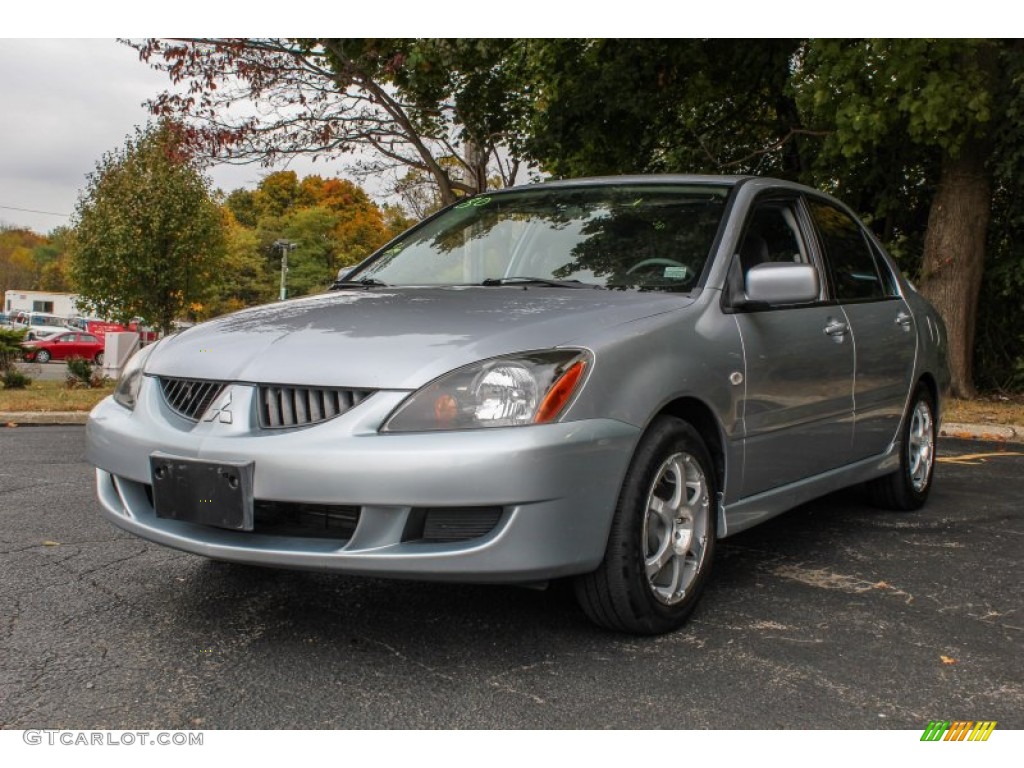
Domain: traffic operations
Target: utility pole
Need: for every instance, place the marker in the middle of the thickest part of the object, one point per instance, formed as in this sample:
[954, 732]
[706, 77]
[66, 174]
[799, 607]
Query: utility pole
[285, 246]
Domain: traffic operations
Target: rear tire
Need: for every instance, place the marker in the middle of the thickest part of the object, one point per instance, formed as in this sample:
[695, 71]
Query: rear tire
[662, 537]
[907, 488]
[99, 358]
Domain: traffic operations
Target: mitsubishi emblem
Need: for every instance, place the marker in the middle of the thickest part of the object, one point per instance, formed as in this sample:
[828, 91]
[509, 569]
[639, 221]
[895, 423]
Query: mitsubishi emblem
[220, 409]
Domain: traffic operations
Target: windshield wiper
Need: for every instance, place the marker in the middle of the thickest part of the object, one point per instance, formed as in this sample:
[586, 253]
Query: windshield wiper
[366, 282]
[522, 280]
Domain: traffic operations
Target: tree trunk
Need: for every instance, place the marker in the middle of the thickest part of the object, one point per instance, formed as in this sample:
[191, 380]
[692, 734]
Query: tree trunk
[476, 161]
[954, 255]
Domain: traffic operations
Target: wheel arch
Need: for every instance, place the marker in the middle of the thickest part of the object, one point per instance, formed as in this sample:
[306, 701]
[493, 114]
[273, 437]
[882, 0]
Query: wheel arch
[929, 381]
[700, 415]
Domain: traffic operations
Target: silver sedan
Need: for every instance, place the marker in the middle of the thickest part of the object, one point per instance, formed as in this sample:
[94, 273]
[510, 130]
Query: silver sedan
[594, 379]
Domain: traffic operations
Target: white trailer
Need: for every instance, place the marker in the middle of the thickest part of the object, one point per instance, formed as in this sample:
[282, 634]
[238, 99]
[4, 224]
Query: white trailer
[43, 302]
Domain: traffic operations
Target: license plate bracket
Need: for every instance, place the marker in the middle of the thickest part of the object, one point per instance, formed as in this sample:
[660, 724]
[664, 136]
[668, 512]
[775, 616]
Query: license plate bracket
[217, 493]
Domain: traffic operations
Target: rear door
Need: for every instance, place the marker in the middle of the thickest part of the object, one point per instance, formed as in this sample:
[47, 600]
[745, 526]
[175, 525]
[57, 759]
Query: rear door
[884, 336]
[798, 406]
[89, 345]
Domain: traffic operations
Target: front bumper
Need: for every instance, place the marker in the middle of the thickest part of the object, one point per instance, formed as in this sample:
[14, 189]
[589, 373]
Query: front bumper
[556, 485]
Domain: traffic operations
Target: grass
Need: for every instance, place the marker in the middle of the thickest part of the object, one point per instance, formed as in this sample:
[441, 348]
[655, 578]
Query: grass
[986, 409]
[52, 396]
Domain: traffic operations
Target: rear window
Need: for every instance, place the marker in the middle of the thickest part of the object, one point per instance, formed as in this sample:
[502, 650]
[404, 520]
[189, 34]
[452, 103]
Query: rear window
[855, 275]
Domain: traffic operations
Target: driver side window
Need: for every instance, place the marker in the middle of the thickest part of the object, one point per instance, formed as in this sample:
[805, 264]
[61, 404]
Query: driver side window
[772, 235]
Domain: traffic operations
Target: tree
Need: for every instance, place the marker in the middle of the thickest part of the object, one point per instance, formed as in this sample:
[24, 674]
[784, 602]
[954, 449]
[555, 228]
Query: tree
[245, 278]
[940, 104]
[17, 267]
[331, 223]
[404, 103]
[653, 106]
[148, 237]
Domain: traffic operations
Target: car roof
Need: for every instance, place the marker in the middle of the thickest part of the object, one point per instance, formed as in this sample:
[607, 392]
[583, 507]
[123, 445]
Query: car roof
[655, 179]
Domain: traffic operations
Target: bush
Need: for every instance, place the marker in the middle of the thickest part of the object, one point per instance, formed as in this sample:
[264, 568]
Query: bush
[82, 375]
[15, 379]
[10, 348]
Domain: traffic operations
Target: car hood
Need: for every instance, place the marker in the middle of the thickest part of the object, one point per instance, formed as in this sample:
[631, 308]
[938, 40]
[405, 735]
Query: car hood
[395, 338]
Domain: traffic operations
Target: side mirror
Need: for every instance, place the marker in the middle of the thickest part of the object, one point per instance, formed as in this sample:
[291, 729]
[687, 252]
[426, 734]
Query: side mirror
[782, 282]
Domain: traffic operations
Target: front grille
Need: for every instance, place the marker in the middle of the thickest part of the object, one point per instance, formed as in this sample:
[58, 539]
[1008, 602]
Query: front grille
[320, 521]
[450, 524]
[190, 397]
[282, 406]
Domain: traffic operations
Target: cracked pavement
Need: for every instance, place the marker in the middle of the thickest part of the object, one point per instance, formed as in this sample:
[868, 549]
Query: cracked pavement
[834, 615]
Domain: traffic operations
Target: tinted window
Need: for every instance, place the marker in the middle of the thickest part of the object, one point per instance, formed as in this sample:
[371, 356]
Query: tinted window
[88, 338]
[854, 272]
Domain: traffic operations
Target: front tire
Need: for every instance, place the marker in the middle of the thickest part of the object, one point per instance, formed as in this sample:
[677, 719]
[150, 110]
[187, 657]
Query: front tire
[907, 488]
[662, 537]
[42, 356]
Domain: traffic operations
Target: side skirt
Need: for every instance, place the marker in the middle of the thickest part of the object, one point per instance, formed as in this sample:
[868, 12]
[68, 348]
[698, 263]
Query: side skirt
[746, 513]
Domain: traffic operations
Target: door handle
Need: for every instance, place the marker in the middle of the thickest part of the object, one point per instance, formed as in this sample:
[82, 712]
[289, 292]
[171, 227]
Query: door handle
[903, 320]
[836, 328]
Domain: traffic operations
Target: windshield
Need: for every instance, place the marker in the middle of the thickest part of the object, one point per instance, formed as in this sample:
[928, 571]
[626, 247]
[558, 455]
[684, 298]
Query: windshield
[653, 237]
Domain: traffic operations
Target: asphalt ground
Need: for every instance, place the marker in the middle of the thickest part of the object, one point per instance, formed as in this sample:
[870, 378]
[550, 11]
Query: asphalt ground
[834, 615]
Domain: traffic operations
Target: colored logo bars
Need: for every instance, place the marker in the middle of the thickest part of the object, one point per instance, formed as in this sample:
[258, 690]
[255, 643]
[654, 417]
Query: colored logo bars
[958, 730]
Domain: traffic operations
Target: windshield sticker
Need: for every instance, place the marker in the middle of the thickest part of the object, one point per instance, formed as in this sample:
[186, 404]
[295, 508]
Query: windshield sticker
[679, 273]
[474, 203]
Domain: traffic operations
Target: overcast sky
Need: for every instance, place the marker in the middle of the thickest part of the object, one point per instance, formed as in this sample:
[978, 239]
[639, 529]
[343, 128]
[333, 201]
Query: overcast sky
[63, 103]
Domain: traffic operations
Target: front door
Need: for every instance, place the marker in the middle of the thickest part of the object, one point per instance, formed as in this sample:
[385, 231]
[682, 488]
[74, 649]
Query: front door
[798, 405]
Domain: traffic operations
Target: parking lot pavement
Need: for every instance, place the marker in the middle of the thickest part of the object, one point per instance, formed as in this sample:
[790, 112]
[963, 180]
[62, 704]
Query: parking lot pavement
[52, 371]
[834, 615]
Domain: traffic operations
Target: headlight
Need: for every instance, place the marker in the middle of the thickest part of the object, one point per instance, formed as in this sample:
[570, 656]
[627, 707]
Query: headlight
[128, 384]
[508, 391]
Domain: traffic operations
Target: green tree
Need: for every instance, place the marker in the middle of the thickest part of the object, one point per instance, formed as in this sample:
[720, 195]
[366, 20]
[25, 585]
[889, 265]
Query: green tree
[653, 106]
[148, 237]
[936, 105]
[245, 278]
[18, 266]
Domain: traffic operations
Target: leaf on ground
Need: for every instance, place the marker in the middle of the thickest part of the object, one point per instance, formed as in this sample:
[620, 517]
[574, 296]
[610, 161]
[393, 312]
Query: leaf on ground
[51, 543]
[947, 659]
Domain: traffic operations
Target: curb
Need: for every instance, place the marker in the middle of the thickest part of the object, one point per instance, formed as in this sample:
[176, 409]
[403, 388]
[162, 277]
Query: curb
[999, 433]
[42, 418]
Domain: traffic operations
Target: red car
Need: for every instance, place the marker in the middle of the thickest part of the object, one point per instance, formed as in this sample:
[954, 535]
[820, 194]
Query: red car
[63, 346]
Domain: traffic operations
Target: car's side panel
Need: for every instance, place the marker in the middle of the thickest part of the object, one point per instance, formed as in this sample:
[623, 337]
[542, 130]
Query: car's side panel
[885, 340]
[646, 366]
[797, 405]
